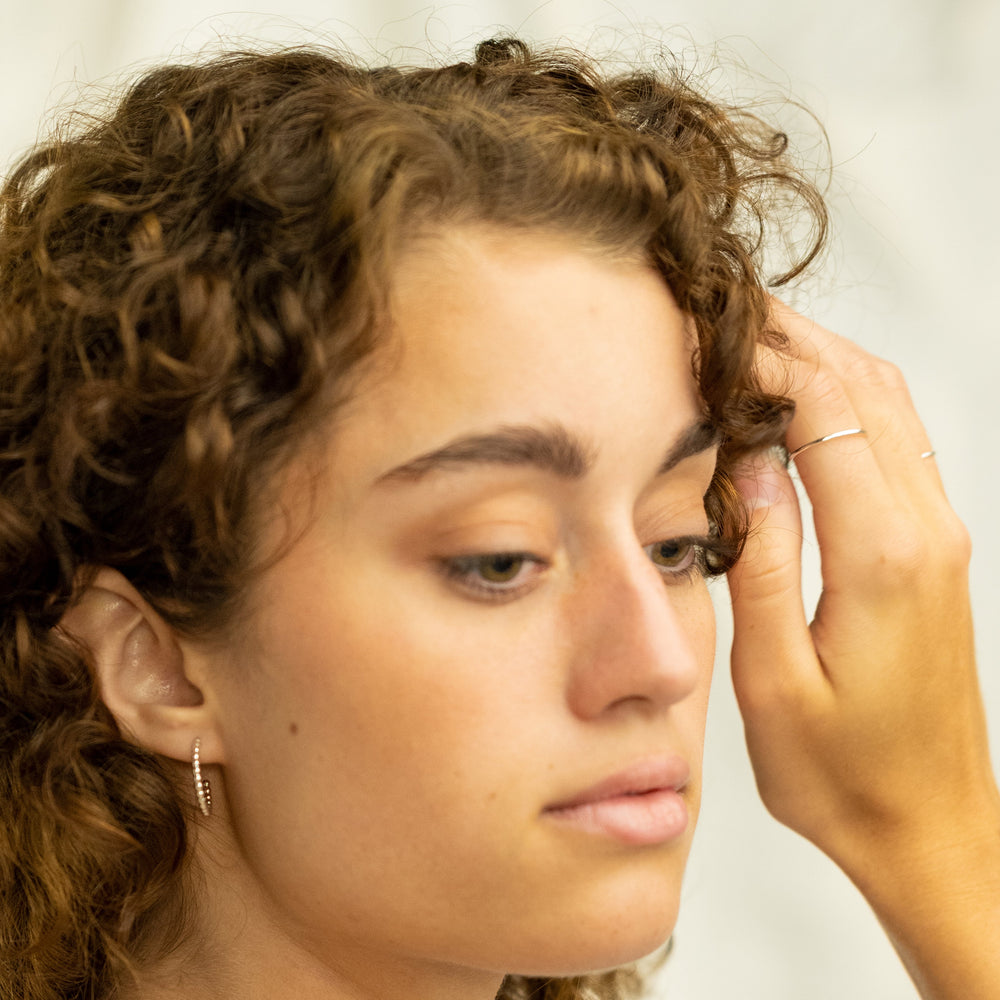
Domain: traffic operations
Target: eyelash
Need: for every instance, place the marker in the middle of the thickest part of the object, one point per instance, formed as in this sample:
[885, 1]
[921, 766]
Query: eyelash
[700, 556]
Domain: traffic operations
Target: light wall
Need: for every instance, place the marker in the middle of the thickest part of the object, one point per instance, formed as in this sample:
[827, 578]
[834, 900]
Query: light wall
[908, 92]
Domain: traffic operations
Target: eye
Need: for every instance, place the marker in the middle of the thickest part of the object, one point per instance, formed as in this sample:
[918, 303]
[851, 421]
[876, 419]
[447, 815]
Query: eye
[674, 554]
[681, 559]
[493, 575]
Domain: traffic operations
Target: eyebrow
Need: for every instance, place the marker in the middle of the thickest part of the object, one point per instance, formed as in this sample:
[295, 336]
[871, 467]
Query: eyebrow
[552, 449]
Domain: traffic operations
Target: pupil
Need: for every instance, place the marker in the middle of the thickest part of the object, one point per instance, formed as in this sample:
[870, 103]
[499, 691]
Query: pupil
[500, 569]
[669, 552]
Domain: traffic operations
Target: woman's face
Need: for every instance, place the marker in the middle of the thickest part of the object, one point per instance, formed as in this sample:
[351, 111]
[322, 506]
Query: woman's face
[464, 729]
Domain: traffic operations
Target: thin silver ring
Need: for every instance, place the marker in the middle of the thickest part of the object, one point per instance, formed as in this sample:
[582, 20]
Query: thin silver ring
[827, 437]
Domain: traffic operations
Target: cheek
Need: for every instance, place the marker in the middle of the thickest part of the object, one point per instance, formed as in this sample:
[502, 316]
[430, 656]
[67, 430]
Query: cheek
[388, 768]
[373, 720]
[408, 793]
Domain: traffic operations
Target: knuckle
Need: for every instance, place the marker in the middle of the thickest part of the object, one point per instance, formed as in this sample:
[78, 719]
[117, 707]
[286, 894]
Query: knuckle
[909, 554]
[777, 698]
[889, 376]
[826, 389]
[900, 556]
[955, 542]
[766, 702]
[868, 371]
[910, 561]
[768, 582]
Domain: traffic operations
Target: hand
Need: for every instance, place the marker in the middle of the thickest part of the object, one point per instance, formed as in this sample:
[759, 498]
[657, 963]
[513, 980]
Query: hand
[866, 728]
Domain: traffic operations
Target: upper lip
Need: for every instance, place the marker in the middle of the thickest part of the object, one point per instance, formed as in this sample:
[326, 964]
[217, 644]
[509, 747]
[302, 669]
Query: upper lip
[649, 774]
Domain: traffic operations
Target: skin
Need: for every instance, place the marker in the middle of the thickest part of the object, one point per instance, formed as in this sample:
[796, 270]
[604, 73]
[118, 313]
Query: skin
[391, 733]
[384, 741]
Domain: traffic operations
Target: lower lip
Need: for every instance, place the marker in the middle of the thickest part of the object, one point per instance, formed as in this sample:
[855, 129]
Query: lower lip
[654, 817]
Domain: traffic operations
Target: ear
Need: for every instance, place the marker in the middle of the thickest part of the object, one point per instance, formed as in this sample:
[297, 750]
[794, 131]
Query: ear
[152, 682]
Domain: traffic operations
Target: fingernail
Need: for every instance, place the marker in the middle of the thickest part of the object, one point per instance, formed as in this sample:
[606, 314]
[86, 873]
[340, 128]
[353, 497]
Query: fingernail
[761, 479]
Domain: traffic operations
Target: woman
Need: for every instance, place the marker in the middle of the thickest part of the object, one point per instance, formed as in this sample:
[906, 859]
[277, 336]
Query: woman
[367, 439]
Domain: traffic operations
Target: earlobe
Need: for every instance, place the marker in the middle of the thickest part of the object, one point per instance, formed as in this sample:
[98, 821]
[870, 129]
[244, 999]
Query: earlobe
[143, 672]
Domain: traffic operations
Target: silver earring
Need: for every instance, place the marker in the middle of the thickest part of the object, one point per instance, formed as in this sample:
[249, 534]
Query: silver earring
[202, 789]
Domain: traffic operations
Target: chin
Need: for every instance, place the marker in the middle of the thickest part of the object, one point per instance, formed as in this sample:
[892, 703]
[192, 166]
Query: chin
[603, 938]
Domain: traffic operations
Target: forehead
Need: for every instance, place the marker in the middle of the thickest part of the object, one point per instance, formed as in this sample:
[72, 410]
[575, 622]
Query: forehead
[481, 301]
[507, 328]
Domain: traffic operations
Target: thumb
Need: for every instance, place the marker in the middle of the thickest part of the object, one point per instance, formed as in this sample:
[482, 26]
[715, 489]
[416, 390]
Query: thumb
[771, 635]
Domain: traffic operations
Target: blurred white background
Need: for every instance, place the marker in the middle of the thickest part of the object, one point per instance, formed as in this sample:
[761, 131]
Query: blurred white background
[909, 93]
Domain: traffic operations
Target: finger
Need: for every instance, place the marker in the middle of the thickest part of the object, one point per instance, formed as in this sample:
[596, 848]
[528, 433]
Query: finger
[772, 642]
[842, 474]
[881, 398]
[823, 407]
[857, 484]
[825, 369]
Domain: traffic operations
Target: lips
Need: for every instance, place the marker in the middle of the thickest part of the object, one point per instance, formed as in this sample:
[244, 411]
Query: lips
[641, 805]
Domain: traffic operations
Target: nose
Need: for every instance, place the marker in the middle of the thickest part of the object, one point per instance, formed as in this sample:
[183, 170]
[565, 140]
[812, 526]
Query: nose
[638, 642]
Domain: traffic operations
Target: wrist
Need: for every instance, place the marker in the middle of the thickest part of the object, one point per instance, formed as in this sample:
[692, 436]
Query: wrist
[935, 887]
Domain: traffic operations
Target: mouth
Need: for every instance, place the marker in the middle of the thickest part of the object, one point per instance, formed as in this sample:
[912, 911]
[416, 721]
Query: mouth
[642, 805]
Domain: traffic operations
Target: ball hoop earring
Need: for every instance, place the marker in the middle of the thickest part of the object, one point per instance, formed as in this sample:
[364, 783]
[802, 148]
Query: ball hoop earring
[202, 789]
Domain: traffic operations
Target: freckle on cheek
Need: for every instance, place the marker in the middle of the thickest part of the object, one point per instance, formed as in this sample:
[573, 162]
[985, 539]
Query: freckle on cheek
[293, 728]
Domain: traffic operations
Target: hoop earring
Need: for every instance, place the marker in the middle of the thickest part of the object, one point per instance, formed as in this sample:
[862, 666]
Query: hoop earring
[202, 789]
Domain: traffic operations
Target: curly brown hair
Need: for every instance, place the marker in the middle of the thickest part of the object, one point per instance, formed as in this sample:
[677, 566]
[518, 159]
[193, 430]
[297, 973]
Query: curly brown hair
[187, 284]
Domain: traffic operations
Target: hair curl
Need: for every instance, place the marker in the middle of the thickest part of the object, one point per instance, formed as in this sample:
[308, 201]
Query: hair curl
[187, 283]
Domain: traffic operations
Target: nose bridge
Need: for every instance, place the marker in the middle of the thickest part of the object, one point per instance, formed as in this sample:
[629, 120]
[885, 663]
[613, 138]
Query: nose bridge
[634, 635]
